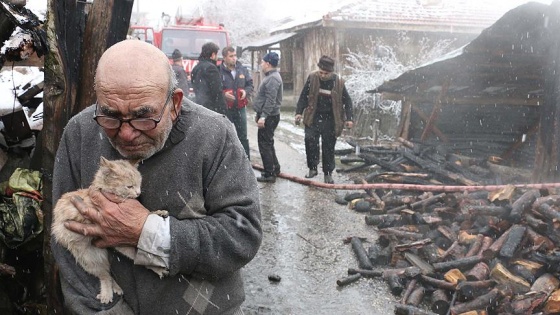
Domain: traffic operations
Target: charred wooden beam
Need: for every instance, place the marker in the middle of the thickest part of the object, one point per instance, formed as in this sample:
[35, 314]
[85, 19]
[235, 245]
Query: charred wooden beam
[416, 296]
[437, 283]
[522, 204]
[401, 234]
[395, 284]
[475, 246]
[470, 289]
[361, 255]
[379, 255]
[479, 272]
[482, 302]
[439, 302]
[517, 232]
[526, 269]
[504, 277]
[488, 210]
[546, 283]
[347, 280]
[415, 260]
[459, 263]
[410, 286]
[436, 169]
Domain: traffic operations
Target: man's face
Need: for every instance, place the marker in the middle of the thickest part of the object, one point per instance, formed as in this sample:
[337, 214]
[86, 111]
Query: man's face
[140, 102]
[324, 75]
[230, 59]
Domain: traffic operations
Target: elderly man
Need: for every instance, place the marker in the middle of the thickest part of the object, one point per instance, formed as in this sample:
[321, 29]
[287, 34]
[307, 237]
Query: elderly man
[327, 108]
[192, 165]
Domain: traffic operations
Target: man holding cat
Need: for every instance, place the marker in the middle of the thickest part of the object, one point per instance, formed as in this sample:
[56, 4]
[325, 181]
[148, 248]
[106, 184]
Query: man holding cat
[192, 166]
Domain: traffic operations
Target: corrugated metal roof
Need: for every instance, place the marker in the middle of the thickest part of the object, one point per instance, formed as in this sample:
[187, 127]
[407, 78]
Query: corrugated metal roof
[454, 15]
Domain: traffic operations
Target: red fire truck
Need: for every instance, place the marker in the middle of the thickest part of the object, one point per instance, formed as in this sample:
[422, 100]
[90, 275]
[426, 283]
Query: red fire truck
[187, 35]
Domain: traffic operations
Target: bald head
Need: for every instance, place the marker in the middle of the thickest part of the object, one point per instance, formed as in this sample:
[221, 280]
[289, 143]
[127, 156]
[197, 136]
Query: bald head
[132, 64]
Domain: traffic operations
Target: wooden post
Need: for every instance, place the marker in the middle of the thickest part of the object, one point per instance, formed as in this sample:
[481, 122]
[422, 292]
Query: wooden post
[548, 150]
[76, 43]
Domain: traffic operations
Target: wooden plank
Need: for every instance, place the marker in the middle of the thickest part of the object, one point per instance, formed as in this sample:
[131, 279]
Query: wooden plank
[435, 129]
[435, 112]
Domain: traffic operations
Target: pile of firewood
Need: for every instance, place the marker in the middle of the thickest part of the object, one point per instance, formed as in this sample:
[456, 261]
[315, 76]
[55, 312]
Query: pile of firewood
[463, 253]
[405, 162]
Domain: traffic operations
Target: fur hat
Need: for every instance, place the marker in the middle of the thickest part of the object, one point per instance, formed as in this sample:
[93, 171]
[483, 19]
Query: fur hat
[326, 63]
[176, 55]
[272, 58]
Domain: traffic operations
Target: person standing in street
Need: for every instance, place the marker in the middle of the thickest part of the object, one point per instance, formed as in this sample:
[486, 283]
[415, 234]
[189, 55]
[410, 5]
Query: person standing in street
[180, 73]
[238, 86]
[267, 106]
[206, 80]
[326, 107]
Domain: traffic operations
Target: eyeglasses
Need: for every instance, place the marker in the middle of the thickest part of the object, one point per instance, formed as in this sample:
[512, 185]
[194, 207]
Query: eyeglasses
[141, 124]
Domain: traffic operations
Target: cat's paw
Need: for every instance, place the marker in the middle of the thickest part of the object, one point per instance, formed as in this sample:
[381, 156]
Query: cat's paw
[116, 288]
[162, 213]
[105, 297]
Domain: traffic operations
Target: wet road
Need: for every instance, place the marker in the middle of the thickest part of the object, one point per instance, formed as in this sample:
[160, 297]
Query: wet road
[303, 243]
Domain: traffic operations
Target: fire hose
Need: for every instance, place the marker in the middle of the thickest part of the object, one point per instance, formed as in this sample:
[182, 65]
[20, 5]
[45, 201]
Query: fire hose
[417, 187]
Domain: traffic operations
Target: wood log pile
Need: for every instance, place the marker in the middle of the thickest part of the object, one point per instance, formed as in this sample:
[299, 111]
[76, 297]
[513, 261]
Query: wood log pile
[405, 162]
[477, 252]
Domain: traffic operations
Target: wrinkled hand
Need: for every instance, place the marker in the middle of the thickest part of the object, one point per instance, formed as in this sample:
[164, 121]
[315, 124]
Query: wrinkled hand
[112, 224]
[349, 124]
[260, 123]
[297, 120]
[229, 96]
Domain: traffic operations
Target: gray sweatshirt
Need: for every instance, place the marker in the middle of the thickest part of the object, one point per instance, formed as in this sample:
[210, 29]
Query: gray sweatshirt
[203, 178]
[269, 97]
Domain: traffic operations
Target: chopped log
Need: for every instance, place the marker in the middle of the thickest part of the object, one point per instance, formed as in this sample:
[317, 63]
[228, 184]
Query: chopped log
[525, 304]
[526, 269]
[486, 243]
[361, 255]
[409, 272]
[395, 200]
[479, 272]
[415, 244]
[436, 169]
[379, 255]
[497, 245]
[482, 302]
[549, 212]
[410, 286]
[449, 250]
[522, 204]
[415, 260]
[537, 224]
[475, 246]
[470, 289]
[402, 309]
[477, 312]
[416, 296]
[459, 263]
[431, 253]
[347, 280]
[395, 284]
[517, 232]
[505, 278]
[383, 220]
[447, 232]
[441, 284]
[552, 305]
[454, 276]
[546, 283]
[540, 240]
[419, 204]
[440, 302]
[496, 211]
[401, 234]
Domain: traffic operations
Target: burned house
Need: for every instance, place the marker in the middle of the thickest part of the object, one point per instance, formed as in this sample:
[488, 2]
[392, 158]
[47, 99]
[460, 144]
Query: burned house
[407, 27]
[494, 98]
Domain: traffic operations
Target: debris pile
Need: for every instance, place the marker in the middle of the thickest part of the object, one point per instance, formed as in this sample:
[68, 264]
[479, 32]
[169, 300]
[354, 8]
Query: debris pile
[462, 253]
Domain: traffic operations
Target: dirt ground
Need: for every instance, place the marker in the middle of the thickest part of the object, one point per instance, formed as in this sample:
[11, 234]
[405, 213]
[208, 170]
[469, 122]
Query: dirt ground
[303, 242]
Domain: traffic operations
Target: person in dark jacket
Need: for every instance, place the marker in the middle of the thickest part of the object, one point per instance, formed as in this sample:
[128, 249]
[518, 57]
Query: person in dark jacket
[206, 80]
[327, 108]
[238, 87]
[267, 106]
[180, 72]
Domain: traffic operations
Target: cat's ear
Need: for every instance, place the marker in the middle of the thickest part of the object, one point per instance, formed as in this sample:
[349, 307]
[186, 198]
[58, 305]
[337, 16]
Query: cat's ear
[134, 163]
[103, 161]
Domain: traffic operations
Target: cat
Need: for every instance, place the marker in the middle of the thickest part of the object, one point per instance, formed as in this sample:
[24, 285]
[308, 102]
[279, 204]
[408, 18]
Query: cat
[120, 178]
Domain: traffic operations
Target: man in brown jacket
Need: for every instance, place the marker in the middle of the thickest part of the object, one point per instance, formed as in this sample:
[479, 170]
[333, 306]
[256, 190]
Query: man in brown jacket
[327, 108]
